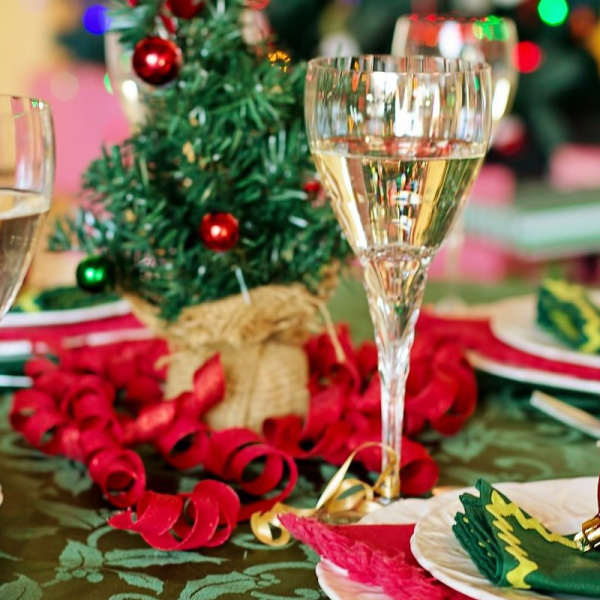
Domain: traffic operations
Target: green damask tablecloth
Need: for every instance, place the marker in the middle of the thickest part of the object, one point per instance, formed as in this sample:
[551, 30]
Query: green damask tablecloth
[55, 544]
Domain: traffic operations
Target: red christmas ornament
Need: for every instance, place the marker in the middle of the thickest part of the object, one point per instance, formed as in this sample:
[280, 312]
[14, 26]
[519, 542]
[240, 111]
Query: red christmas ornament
[157, 61]
[219, 231]
[185, 9]
[257, 4]
[312, 187]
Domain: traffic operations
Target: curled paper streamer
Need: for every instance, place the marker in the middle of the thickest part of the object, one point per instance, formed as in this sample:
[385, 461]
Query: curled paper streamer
[120, 474]
[230, 454]
[340, 496]
[203, 518]
[99, 403]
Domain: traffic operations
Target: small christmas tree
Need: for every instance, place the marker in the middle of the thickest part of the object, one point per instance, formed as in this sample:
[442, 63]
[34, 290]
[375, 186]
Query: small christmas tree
[215, 193]
[214, 196]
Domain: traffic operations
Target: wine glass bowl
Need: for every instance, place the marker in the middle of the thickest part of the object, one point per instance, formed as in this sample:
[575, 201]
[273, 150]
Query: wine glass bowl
[490, 40]
[398, 142]
[127, 85]
[26, 182]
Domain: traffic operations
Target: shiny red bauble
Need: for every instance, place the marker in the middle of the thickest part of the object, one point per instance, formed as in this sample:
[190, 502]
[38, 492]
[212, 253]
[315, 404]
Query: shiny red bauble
[312, 187]
[157, 61]
[257, 4]
[185, 9]
[219, 231]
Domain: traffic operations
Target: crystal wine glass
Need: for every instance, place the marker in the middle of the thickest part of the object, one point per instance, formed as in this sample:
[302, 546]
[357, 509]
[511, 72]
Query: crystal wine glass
[124, 81]
[488, 39]
[398, 143]
[26, 181]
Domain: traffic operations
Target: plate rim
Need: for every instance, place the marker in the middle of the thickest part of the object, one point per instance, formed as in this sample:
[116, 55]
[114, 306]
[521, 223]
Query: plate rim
[556, 351]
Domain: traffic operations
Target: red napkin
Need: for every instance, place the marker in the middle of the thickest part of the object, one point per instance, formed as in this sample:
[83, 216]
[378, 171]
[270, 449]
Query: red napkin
[476, 334]
[376, 555]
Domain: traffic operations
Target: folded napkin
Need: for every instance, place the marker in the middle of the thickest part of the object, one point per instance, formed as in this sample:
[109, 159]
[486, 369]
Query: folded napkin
[566, 311]
[376, 555]
[513, 549]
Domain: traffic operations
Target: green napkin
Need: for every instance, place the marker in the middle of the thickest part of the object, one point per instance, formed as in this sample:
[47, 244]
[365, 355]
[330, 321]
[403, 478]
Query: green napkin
[565, 310]
[511, 548]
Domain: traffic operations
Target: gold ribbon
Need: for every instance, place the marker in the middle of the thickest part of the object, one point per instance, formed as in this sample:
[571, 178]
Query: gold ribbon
[350, 497]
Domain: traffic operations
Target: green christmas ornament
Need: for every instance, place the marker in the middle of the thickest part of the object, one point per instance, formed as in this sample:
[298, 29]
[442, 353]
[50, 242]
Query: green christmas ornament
[95, 274]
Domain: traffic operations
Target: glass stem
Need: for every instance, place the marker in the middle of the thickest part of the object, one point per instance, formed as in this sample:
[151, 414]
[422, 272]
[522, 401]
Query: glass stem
[394, 285]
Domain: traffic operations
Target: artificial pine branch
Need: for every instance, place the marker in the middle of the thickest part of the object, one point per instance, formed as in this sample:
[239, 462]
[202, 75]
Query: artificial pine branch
[226, 136]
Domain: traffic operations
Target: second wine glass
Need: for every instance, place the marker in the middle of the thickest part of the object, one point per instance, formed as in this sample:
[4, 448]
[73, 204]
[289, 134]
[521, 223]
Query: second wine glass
[398, 143]
[490, 40]
[26, 182]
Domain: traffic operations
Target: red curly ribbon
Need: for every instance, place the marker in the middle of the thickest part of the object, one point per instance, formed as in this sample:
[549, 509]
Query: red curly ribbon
[230, 455]
[120, 474]
[204, 518]
[101, 402]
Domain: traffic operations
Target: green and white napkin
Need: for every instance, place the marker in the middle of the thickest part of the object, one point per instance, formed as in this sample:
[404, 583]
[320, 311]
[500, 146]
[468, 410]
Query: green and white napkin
[567, 312]
[513, 549]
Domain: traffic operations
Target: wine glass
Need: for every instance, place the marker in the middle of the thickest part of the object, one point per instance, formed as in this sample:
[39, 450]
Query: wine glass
[26, 181]
[127, 85]
[489, 39]
[398, 143]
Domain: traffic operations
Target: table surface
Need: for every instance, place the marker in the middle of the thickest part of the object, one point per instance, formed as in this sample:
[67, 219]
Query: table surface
[55, 544]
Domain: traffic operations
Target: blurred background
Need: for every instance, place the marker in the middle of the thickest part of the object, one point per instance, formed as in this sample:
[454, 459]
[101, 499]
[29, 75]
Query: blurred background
[536, 205]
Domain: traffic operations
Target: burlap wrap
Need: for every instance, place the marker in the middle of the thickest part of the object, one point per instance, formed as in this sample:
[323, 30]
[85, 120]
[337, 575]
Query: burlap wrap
[260, 341]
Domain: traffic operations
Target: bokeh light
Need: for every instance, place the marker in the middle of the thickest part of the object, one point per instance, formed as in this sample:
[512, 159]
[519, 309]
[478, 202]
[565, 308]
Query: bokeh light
[107, 84]
[280, 59]
[527, 57]
[95, 19]
[490, 28]
[64, 86]
[553, 12]
[257, 4]
[34, 5]
[582, 22]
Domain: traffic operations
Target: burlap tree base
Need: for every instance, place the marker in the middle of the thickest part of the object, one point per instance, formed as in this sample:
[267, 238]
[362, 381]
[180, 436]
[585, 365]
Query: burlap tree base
[259, 338]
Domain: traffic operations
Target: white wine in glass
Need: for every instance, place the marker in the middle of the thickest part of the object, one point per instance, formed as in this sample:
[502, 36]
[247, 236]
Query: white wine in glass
[398, 143]
[26, 181]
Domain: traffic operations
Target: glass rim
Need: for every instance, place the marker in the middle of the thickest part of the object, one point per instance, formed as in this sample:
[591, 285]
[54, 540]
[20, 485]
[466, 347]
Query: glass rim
[435, 18]
[451, 66]
[30, 104]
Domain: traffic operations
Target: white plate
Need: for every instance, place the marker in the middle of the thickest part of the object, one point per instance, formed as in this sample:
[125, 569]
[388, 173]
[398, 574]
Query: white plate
[533, 376]
[513, 322]
[66, 317]
[338, 586]
[573, 501]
